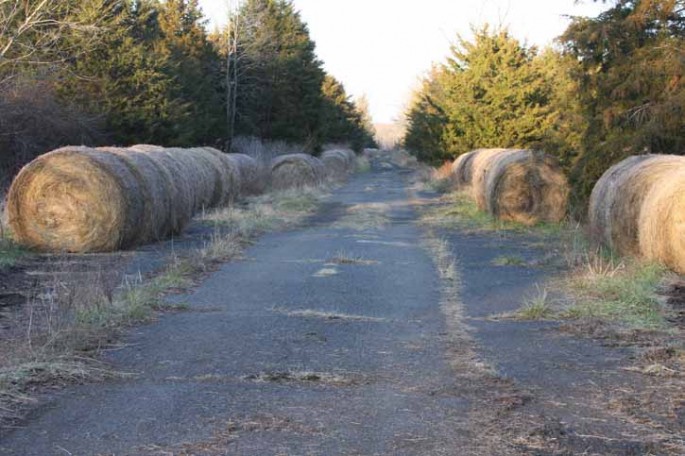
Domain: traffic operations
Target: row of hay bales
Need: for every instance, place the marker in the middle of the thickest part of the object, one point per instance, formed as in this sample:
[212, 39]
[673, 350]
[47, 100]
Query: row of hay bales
[518, 185]
[80, 199]
[637, 208]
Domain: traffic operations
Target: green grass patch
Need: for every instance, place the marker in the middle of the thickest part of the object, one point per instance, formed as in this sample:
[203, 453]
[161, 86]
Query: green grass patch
[10, 252]
[624, 293]
[460, 211]
[363, 165]
[536, 307]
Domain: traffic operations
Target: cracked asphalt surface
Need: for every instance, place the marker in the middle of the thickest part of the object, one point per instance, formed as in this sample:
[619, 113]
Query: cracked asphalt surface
[325, 340]
[331, 340]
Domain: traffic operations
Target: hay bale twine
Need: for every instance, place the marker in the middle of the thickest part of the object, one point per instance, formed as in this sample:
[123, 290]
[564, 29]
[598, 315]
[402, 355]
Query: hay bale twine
[76, 199]
[337, 164]
[638, 208]
[525, 186]
[253, 179]
[296, 171]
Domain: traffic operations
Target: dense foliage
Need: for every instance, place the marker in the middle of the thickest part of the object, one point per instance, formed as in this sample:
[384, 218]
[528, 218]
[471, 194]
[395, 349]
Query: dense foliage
[613, 88]
[147, 71]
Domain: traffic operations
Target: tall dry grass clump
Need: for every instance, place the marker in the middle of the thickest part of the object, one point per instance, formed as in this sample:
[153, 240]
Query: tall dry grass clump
[296, 171]
[638, 208]
[79, 199]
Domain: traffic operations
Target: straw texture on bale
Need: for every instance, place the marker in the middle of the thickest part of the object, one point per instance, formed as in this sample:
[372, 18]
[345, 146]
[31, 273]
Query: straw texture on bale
[638, 208]
[526, 187]
[78, 199]
[253, 179]
[337, 164]
[461, 169]
[157, 191]
[477, 169]
[296, 171]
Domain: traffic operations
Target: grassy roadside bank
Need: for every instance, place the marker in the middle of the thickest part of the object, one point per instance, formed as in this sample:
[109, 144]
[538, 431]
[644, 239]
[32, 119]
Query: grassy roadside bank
[77, 310]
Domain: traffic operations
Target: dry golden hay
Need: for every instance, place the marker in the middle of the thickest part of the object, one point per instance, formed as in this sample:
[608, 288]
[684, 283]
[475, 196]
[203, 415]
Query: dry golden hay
[337, 164]
[480, 163]
[296, 171]
[638, 208]
[183, 185]
[157, 190]
[461, 169]
[524, 186]
[253, 176]
[78, 199]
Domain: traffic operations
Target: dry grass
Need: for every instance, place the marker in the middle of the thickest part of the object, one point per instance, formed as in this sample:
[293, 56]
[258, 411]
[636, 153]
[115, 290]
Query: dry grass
[342, 257]
[271, 211]
[364, 216]
[621, 291]
[75, 313]
[326, 315]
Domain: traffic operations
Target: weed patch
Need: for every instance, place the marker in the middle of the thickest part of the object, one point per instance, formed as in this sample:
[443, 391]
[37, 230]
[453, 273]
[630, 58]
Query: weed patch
[620, 291]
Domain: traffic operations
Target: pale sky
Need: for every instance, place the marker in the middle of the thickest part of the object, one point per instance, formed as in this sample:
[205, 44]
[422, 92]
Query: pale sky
[381, 48]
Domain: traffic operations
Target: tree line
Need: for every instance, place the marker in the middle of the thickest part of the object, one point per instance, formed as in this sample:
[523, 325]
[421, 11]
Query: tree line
[612, 87]
[148, 71]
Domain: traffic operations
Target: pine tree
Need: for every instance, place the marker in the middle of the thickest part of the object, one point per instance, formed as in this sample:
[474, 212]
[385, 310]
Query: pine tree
[129, 78]
[629, 73]
[196, 68]
[281, 77]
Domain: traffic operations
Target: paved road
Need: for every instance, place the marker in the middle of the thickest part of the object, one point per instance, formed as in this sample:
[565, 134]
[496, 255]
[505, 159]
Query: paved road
[287, 352]
[330, 340]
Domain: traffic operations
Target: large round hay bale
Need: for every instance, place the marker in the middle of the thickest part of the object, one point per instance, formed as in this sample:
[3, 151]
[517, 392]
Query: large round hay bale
[253, 177]
[157, 190]
[337, 164]
[226, 174]
[480, 163]
[76, 199]
[638, 208]
[462, 170]
[183, 189]
[296, 171]
[525, 186]
[79, 199]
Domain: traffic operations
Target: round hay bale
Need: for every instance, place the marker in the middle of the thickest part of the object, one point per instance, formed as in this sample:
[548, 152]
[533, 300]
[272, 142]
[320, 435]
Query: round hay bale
[183, 187]
[296, 171]
[461, 170]
[76, 199]
[479, 166]
[602, 217]
[337, 164]
[638, 208]
[226, 174]
[253, 177]
[525, 186]
[157, 189]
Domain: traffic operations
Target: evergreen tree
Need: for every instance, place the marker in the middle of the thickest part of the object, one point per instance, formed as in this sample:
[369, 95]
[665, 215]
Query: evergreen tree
[280, 76]
[196, 68]
[629, 81]
[129, 78]
[493, 92]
